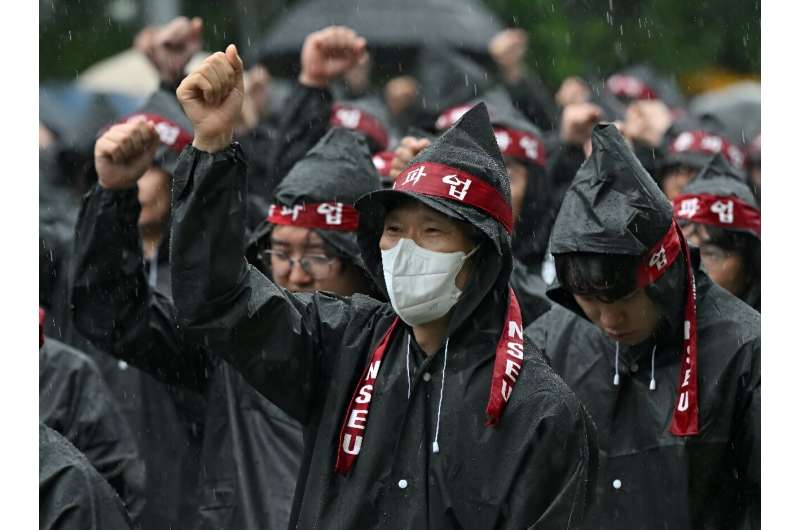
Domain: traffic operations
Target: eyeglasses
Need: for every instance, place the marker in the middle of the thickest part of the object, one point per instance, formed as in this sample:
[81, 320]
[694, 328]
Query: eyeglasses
[713, 255]
[318, 266]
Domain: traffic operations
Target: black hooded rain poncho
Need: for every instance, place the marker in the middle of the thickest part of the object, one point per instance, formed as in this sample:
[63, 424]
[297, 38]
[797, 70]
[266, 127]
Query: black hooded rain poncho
[75, 401]
[649, 477]
[251, 449]
[72, 494]
[306, 353]
[716, 197]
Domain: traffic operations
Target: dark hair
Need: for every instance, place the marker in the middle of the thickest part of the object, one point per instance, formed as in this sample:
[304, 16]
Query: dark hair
[745, 244]
[610, 277]
[607, 276]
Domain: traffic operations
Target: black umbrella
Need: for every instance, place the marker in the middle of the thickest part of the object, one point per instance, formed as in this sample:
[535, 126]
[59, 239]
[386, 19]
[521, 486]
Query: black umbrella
[395, 29]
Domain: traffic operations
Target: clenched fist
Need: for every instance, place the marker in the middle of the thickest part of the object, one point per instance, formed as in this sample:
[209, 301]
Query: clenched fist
[211, 97]
[172, 46]
[577, 122]
[508, 49]
[329, 53]
[124, 152]
[409, 148]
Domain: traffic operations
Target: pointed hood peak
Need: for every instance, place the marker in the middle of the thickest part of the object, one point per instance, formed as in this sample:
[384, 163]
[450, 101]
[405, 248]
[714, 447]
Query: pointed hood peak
[613, 205]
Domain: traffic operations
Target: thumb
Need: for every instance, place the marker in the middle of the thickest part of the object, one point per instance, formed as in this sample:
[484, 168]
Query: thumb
[232, 55]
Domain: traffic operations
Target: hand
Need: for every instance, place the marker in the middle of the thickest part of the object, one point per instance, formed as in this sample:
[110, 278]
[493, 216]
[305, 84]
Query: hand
[409, 148]
[577, 122]
[647, 121]
[171, 47]
[124, 152]
[508, 49]
[328, 53]
[400, 93]
[211, 97]
[572, 90]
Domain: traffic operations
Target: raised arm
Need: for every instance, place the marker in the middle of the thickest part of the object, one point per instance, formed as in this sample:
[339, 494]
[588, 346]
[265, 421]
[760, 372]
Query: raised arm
[113, 305]
[271, 336]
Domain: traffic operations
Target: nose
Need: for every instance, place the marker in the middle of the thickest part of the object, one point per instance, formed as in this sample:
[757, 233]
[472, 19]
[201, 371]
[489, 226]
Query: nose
[298, 276]
[612, 317]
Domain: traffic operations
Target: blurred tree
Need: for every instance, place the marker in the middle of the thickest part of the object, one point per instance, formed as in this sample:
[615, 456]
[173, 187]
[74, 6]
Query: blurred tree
[585, 37]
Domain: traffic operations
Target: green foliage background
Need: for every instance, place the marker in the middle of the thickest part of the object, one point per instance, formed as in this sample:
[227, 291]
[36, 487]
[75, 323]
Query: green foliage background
[567, 36]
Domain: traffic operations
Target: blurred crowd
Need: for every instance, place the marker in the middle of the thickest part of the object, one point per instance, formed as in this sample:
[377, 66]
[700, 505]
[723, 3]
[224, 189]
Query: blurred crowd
[226, 263]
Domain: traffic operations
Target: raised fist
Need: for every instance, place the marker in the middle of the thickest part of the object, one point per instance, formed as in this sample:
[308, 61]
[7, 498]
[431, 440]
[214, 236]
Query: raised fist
[329, 53]
[647, 121]
[171, 47]
[211, 97]
[572, 90]
[508, 49]
[409, 148]
[577, 121]
[124, 152]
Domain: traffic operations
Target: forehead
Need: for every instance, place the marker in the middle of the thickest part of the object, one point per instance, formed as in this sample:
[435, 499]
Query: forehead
[295, 237]
[411, 209]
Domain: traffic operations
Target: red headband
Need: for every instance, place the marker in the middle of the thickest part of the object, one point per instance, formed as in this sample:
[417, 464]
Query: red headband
[439, 180]
[701, 141]
[653, 265]
[383, 162]
[519, 144]
[508, 363]
[325, 215]
[717, 210]
[171, 134]
[450, 116]
[630, 87]
[353, 118]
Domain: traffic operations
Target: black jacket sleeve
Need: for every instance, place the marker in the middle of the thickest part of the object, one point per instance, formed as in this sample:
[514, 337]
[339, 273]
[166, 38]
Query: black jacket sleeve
[304, 120]
[533, 99]
[277, 340]
[112, 303]
[75, 401]
[72, 494]
[747, 435]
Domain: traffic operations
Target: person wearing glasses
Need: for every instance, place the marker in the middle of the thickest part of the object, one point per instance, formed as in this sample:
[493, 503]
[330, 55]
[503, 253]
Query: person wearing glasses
[429, 411]
[718, 214]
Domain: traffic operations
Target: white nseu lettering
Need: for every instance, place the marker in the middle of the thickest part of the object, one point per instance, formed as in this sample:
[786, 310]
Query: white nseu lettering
[512, 370]
[686, 377]
[505, 390]
[352, 445]
[358, 419]
[515, 349]
[372, 373]
[364, 394]
[514, 329]
[531, 147]
[683, 402]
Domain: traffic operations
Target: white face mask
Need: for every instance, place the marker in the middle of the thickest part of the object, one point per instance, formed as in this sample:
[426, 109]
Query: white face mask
[421, 283]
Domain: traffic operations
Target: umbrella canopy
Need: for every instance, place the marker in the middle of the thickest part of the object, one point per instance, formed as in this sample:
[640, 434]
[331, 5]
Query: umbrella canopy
[129, 73]
[76, 115]
[734, 111]
[390, 26]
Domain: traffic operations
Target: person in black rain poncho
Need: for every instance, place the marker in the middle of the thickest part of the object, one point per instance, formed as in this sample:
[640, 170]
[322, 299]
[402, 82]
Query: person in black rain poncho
[408, 412]
[72, 494]
[667, 362]
[718, 213]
